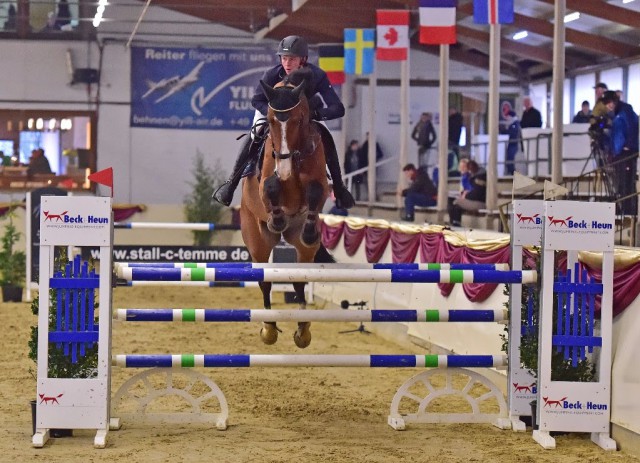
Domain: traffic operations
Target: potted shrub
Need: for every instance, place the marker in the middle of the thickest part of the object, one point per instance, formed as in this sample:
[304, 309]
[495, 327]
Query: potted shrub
[12, 263]
[60, 365]
[199, 205]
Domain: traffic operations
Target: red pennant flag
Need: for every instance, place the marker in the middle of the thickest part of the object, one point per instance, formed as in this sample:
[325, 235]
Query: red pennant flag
[103, 177]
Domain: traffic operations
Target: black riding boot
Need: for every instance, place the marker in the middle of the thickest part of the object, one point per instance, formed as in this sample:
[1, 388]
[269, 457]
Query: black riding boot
[224, 194]
[344, 200]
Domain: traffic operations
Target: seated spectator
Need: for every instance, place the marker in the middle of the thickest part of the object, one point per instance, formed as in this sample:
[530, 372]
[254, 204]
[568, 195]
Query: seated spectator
[38, 164]
[469, 200]
[584, 115]
[453, 171]
[335, 210]
[421, 191]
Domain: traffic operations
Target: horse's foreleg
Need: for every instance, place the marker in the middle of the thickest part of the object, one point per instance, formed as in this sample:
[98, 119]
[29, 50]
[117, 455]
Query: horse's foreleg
[269, 331]
[315, 196]
[302, 337]
[277, 222]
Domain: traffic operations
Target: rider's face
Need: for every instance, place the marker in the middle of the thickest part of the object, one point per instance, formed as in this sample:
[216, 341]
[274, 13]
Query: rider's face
[291, 63]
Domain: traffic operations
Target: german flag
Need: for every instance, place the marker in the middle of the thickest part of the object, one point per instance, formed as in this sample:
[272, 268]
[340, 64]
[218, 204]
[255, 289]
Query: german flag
[332, 61]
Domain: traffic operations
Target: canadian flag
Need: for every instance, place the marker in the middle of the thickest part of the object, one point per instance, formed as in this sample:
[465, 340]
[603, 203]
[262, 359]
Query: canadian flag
[392, 35]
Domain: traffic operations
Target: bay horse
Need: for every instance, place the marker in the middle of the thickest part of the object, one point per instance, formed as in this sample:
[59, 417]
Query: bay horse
[287, 195]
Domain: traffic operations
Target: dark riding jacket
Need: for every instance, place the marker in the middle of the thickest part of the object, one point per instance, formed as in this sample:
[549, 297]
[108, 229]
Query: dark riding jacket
[319, 85]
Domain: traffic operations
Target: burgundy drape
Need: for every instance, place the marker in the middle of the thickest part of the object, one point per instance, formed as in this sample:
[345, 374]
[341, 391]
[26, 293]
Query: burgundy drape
[121, 213]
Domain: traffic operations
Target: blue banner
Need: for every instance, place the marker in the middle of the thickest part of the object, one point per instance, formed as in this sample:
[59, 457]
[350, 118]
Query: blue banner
[196, 88]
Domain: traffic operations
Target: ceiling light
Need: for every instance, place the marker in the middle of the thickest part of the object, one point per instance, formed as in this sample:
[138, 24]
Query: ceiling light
[626, 1]
[520, 35]
[572, 17]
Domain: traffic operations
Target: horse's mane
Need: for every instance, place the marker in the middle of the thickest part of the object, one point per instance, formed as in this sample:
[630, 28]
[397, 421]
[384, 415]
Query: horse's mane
[297, 77]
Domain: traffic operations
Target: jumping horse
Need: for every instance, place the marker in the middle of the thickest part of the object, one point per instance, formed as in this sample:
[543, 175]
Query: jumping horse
[288, 193]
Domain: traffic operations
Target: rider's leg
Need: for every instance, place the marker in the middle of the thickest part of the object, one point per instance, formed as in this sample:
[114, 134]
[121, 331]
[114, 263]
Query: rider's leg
[224, 194]
[344, 200]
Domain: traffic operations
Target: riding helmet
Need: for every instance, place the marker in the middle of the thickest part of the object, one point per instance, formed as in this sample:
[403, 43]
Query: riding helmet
[293, 45]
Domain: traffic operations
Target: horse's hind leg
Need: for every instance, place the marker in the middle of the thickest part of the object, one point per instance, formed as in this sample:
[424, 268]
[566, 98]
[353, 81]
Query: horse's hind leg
[269, 331]
[302, 337]
[315, 197]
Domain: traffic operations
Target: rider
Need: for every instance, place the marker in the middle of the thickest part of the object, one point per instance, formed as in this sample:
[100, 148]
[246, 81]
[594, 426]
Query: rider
[293, 53]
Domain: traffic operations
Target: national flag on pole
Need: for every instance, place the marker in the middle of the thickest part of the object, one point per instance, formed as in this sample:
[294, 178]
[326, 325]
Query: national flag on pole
[437, 22]
[393, 35]
[332, 61]
[493, 11]
[103, 177]
[359, 47]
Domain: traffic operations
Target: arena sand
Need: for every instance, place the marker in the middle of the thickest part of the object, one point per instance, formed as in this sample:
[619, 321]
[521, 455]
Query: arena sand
[276, 414]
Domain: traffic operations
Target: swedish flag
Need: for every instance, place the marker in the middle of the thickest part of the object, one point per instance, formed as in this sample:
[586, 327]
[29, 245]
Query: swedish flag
[359, 51]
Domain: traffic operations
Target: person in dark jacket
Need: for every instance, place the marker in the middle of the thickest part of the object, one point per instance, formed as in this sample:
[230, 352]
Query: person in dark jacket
[421, 191]
[531, 117]
[624, 148]
[469, 200]
[584, 115]
[425, 136]
[38, 164]
[324, 105]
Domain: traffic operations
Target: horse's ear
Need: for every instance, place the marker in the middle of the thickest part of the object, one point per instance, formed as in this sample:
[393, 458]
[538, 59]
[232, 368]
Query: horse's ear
[299, 89]
[268, 90]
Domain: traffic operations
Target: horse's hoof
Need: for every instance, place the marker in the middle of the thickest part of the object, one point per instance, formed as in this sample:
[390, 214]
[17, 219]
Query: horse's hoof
[269, 333]
[302, 337]
[277, 225]
[311, 238]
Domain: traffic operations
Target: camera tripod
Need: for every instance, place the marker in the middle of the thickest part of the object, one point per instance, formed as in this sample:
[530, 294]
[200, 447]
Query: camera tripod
[603, 172]
[362, 305]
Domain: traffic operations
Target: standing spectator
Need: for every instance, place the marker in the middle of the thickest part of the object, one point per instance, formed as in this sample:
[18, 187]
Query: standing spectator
[38, 164]
[10, 23]
[472, 199]
[353, 161]
[624, 147]
[584, 115]
[599, 108]
[455, 130]
[510, 125]
[421, 191]
[63, 17]
[425, 136]
[531, 117]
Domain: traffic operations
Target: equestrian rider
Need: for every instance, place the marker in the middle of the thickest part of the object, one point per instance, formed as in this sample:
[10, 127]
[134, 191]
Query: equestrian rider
[293, 53]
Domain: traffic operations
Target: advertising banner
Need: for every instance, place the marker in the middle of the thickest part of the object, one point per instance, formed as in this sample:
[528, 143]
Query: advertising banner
[196, 88]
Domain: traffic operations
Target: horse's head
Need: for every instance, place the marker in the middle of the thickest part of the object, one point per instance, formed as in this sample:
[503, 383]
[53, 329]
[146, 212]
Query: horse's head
[288, 123]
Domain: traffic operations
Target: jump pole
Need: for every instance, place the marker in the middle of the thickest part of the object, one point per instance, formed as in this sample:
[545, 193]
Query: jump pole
[174, 226]
[406, 266]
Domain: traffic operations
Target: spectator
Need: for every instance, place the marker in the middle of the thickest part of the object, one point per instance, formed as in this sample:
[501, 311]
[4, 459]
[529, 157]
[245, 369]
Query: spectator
[335, 209]
[531, 117]
[584, 115]
[455, 130]
[624, 147]
[10, 23]
[353, 160]
[421, 191]
[38, 164]
[365, 150]
[63, 17]
[620, 94]
[599, 108]
[425, 136]
[510, 125]
[5, 160]
[472, 199]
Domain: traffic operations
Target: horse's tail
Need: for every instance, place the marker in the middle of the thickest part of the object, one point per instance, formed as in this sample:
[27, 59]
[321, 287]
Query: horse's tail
[323, 257]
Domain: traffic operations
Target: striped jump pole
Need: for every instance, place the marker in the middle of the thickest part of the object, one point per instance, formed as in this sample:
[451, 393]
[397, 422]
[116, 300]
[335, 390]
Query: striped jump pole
[206, 284]
[284, 275]
[174, 226]
[320, 360]
[337, 315]
[405, 266]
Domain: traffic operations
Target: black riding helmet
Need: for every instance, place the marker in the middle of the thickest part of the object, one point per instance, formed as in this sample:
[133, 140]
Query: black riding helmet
[293, 45]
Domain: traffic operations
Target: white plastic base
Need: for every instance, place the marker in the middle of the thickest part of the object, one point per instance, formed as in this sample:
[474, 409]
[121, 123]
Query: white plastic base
[604, 441]
[40, 438]
[517, 425]
[544, 439]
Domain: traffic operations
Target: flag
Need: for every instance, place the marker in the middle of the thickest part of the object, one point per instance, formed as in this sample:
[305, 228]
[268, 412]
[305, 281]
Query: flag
[522, 181]
[493, 11]
[553, 190]
[437, 22]
[359, 47]
[393, 35]
[103, 177]
[332, 61]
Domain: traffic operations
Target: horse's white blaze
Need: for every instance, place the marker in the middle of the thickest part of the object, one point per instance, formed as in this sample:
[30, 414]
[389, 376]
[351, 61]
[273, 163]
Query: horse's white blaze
[283, 166]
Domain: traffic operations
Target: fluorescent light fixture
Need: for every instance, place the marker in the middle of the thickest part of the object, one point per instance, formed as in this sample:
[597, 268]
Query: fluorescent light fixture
[97, 19]
[520, 35]
[39, 123]
[572, 17]
[626, 1]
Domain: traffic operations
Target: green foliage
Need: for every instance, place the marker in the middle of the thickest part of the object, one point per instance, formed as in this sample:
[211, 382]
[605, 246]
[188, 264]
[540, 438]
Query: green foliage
[561, 368]
[60, 365]
[199, 205]
[12, 261]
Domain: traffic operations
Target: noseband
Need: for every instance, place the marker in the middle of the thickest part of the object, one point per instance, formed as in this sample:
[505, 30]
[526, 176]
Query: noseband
[276, 154]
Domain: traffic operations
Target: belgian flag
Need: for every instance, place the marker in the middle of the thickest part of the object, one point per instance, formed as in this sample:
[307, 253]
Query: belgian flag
[332, 61]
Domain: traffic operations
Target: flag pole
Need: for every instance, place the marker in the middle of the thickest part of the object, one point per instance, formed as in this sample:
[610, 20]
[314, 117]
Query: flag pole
[558, 89]
[443, 135]
[494, 105]
[371, 176]
[404, 124]
[342, 141]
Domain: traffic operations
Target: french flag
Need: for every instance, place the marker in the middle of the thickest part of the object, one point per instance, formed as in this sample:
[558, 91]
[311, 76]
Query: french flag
[438, 22]
[493, 11]
[392, 35]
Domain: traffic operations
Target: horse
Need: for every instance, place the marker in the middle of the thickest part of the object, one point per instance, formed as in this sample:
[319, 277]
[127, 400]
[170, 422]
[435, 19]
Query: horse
[285, 198]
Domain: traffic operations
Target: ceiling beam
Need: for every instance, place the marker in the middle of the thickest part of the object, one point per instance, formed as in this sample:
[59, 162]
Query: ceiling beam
[602, 10]
[580, 39]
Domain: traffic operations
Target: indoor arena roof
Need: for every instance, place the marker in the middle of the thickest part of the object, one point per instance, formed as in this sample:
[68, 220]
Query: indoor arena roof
[605, 33]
